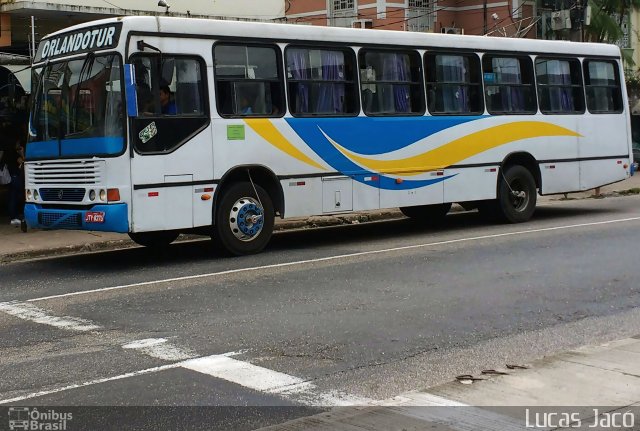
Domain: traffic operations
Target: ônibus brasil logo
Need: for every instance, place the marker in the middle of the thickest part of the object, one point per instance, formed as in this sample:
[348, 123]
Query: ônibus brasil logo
[32, 419]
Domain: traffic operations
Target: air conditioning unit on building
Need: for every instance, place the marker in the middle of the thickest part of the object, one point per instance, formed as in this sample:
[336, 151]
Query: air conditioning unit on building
[362, 23]
[452, 30]
[561, 20]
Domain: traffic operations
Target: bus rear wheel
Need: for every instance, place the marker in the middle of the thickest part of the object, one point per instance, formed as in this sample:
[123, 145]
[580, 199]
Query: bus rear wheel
[427, 213]
[517, 195]
[244, 221]
[153, 239]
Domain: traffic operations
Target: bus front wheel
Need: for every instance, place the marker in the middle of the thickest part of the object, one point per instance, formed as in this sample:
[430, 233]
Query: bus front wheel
[153, 239]
[517, 195]
[244, 221]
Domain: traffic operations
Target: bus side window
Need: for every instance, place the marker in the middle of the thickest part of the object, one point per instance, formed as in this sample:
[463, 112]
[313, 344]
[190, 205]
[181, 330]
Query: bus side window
[559, 86]
[321, 81]
[248, 80]
[509, 84]
[453, 84]
[602, 84]
[391, 82]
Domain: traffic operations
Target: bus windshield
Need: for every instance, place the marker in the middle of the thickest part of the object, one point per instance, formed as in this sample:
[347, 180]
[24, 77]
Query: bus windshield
[77, 109]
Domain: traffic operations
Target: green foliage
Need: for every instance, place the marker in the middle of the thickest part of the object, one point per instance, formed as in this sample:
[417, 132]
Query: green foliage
[606, 19]
[633, 82]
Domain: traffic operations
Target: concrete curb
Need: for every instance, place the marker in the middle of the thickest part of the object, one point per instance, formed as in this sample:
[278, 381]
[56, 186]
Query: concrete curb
[281, 226]
[66, 250]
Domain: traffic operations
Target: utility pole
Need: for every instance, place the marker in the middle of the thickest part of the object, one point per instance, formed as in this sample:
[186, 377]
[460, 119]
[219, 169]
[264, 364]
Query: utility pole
[484, 13]
[580, 8]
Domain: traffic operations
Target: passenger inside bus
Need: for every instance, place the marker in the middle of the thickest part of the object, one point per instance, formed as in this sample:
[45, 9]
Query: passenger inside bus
[167, 104]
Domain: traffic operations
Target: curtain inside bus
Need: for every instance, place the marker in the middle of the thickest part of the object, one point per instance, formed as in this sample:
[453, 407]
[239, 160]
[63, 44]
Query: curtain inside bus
[77, 109]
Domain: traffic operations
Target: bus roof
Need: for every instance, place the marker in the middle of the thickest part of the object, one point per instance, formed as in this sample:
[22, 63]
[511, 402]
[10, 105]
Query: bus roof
[196, 27]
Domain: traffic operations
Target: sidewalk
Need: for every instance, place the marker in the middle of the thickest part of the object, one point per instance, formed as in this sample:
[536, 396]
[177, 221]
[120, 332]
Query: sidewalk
[16, 245]
[593, 387]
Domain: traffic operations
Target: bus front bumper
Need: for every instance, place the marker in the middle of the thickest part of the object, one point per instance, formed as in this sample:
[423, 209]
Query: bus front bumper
[104, 218]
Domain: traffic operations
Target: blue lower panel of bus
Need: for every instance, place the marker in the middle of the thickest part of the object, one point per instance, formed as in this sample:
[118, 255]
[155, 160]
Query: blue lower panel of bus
[105, 218]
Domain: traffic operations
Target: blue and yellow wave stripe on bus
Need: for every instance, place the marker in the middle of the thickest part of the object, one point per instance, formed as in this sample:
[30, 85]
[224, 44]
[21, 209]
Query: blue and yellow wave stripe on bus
[371, 146]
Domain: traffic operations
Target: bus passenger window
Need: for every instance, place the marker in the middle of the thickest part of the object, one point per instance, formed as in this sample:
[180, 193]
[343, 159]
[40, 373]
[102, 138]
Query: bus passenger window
[602, 82]
[509, 85]
[248, 81]
[391, 83]
[321, 82]
[559, 86]
[453, 84]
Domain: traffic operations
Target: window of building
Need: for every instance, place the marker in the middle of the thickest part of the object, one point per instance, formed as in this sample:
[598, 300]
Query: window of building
[248, 81]
[453, 84]
[321, 82]
[602, 82]
[342, 5]
[509, 85]
[559, 86]
[420, 15]
[391, 83]
[171, 92]
[342, 12]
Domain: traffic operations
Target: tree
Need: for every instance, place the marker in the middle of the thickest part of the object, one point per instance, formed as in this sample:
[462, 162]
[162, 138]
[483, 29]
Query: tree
[607, 17]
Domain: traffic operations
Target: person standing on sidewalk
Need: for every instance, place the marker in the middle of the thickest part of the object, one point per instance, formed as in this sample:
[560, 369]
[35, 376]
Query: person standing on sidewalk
[13, 157]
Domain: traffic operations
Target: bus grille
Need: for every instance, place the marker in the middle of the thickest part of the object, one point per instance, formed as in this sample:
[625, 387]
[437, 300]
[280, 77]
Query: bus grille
[59, 220]
[65, 172]
[62, 195]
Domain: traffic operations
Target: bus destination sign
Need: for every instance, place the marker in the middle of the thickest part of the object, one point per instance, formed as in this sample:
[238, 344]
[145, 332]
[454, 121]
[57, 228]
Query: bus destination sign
[85, 40]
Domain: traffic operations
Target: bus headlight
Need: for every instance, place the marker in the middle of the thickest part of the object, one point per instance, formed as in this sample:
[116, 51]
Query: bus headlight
[103, 195]
[92, 195]
[28, 195]
[36, 195]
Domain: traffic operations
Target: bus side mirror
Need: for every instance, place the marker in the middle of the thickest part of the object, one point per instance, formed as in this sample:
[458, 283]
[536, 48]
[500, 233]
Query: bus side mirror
[130, 90]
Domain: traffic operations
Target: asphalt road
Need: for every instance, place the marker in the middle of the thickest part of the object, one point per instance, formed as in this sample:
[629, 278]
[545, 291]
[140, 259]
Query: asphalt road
[332, 316]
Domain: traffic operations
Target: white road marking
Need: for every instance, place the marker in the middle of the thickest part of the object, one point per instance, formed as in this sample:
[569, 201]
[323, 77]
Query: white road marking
[89, 383]
[330, 258]
[32, 313]
[272, 382]
[159, 348]
[226, 368]
[246, 374]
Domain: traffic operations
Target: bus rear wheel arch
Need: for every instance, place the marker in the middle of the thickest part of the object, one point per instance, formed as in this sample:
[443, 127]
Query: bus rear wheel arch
[244, 219]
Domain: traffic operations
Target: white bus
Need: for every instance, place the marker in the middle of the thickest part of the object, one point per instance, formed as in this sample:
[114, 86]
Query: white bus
[154, 126]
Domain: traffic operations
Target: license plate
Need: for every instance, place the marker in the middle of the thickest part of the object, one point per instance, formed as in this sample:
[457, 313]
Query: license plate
[94, 217]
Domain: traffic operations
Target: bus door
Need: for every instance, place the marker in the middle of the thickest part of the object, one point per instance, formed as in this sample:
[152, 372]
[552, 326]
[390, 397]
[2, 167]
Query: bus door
[171, 151]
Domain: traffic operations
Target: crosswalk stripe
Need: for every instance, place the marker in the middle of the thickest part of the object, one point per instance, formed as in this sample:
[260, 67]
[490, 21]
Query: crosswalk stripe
[25, 311]
[159, 348]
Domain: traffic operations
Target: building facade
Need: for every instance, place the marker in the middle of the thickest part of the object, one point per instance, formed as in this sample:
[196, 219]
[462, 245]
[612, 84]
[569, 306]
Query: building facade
[51, 15]
[515, 18]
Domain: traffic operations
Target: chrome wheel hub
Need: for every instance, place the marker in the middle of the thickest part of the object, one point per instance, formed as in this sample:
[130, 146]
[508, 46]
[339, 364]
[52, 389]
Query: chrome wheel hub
[246, 219]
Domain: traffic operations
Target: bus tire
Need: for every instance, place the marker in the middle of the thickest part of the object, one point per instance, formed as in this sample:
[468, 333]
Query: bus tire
[154, 239]
[242, 225]
[517, 195]
[427, 213]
